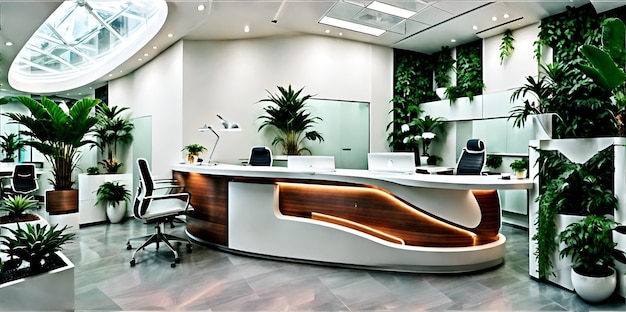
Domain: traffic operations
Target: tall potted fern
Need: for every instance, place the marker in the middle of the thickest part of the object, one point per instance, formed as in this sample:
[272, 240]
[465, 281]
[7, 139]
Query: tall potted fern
[287, 115]
[57, 134]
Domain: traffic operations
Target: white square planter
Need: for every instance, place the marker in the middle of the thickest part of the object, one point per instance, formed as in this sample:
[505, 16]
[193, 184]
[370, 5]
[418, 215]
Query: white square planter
[50, 291]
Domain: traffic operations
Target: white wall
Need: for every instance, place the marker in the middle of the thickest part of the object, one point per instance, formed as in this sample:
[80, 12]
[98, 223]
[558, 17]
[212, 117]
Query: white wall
[193, 81]
[230, 77]
[155, 90]
[513, 71]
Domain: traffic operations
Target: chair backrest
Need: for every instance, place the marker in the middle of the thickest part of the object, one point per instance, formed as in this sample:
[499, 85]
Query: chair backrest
[260, 156]
[473, 158]
[145, 188]
[24, 179]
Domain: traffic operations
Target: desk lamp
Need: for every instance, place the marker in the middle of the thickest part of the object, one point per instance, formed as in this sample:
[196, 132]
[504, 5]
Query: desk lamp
[228, 126]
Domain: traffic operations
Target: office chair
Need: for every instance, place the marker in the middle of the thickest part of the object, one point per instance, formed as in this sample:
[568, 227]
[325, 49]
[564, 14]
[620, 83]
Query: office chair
[22, 181]
[260, 156]
[472, 159]
[157, 209]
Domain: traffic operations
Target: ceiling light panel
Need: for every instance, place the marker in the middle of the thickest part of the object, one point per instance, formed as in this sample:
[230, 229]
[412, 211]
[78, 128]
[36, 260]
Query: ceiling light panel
[390, 9]
[351, 26]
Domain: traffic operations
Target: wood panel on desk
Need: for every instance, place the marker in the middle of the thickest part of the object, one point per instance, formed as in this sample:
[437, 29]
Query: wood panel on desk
[378, 210]
[209, 199]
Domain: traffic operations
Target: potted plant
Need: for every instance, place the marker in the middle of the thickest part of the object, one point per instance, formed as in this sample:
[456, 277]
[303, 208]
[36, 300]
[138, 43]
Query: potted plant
[18, 209]
[422, 130]
[93, 170]
[520, 167]
[113, 194]
[57, 134]
[493, 161]
[192, 151]
[444, 64]
[110, 131]
[10, 143]
[288, 116]
[47, 282]
[590, 245]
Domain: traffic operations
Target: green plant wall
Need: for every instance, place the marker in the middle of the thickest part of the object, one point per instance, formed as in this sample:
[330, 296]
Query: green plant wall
[413, 84]
[469, 72]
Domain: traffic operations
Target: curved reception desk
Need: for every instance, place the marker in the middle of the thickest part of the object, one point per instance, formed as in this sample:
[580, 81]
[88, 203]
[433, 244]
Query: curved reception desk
[358, 218]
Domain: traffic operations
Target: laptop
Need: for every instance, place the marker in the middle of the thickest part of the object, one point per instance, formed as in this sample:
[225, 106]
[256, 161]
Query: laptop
[401, 162]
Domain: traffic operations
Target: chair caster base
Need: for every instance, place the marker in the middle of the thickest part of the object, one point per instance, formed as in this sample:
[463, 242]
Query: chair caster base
[173, 265]
[129, 247]
[132, 263]
[189, 248]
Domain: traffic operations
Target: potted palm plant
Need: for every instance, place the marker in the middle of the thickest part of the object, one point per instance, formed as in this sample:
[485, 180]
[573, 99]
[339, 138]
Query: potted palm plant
[110, 131]
[590, 245]
[192, 151]
[288, 116]
[10, 143]
[113, 194]
[57, 134]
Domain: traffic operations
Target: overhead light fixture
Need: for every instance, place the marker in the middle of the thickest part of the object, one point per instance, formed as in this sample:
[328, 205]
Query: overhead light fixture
[351, 26]
[390, 9]
[474, 27]
[506, 15]
[246, 28]
[493, 18]
[201, 7]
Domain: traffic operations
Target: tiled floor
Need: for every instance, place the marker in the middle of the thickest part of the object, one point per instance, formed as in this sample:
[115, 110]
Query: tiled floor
[211, 280]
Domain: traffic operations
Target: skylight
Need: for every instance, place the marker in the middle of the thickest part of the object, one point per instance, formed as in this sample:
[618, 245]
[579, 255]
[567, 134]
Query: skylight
[82, 41]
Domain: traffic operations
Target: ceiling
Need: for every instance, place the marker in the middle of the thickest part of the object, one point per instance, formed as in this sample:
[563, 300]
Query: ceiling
[435, 24]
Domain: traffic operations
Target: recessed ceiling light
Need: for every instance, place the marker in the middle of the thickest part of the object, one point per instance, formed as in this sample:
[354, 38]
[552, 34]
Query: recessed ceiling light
[351, 26]
[246, 28]
[9, 43]
[140, 59]
[145, 54]
[506, 15]
[327, 31]
[154, 47]
[452, 40]
[390, 9]
[340, 34]
[170, 35]
[110, 75]
[201, 7]
[474, 27]
[493, 18]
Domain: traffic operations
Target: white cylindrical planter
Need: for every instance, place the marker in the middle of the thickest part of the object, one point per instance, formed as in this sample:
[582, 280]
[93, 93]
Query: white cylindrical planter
[441, 93]
[594, 289]
[116, 213]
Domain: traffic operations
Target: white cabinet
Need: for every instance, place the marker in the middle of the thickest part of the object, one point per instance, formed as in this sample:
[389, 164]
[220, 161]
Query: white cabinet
[88, 185]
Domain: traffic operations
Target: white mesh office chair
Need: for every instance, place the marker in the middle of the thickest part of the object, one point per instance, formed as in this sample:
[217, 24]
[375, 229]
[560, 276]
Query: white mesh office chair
[158, 209]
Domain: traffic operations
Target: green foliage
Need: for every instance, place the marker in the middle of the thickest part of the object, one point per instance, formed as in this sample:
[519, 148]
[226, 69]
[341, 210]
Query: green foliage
[413, 84]
[112, 193]
[193, 149]
[443, 64]
[519, 164]
[544, 89]
[506, 45]
[493, 161]
[590, 244]
[469, 75]
[57, 134]
[412, 134]
[17, 205]
[111, 130]
[93, 170]
[287, 115]
[570, 188]
[11, 143]
[35, 244]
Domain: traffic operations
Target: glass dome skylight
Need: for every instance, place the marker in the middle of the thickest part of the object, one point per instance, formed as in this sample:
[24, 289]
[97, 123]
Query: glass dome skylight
[82, 41]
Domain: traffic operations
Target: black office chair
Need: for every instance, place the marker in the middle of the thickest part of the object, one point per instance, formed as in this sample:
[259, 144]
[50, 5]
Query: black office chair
[23, 180]
[158, 209]
[260, 156]
[472, 159]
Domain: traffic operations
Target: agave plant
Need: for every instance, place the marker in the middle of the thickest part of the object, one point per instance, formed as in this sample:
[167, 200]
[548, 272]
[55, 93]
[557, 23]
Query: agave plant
[288, 116]
[35, 244]
[57, 134]
[17, 205]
